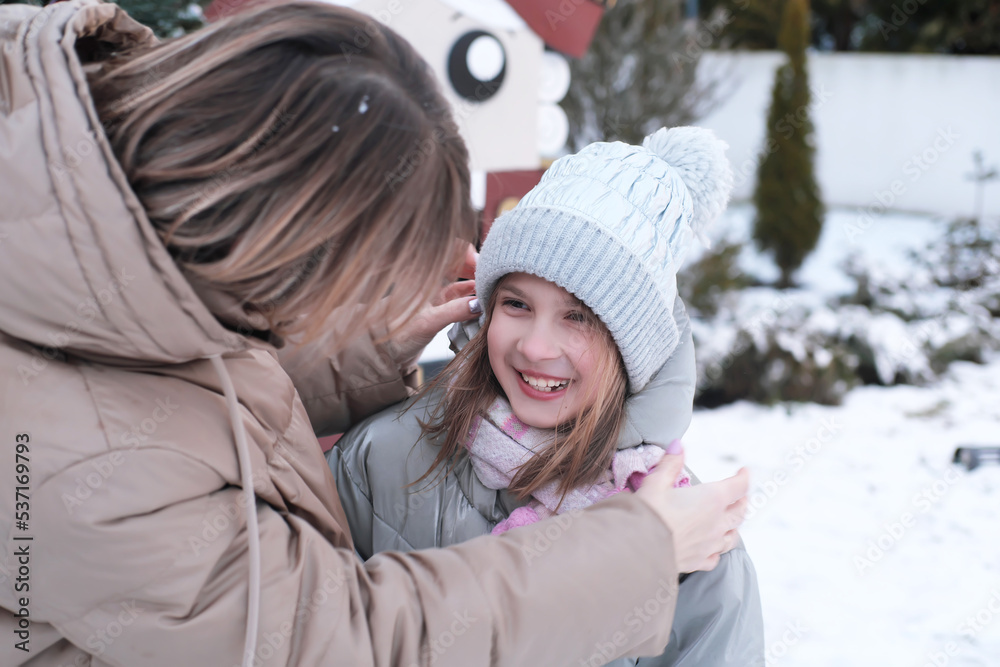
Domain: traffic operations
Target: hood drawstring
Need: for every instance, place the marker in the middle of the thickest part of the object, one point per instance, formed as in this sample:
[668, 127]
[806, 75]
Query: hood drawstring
[253, 534]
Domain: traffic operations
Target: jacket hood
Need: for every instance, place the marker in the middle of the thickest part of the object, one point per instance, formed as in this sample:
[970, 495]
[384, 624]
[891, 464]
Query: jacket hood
[84, 269]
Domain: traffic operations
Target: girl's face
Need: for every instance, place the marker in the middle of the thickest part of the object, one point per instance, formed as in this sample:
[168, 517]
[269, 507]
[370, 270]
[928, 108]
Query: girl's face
[544, 351]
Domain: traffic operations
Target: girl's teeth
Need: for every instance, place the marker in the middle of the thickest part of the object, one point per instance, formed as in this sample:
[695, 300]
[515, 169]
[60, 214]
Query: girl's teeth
[544, 384]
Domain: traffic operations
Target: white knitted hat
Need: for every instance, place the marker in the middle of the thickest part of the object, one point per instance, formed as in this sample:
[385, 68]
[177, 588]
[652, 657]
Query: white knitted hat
[611, 225]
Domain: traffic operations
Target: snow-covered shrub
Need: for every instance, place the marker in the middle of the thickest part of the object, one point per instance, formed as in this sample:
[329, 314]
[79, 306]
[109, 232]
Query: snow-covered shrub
[704, 283]
[766, 345]
[969, 262]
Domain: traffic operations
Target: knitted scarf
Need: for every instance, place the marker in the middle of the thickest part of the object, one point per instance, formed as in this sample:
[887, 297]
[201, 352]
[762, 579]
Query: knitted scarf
[500, 443]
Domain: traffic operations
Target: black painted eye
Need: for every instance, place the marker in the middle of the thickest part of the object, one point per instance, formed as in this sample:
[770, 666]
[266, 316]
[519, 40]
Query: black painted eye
[476, 66]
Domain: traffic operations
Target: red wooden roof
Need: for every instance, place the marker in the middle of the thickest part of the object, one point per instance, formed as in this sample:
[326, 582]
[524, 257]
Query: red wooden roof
[566, 26]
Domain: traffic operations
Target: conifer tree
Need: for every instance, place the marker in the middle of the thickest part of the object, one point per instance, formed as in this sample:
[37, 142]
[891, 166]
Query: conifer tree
[789, 209]
[167, 18]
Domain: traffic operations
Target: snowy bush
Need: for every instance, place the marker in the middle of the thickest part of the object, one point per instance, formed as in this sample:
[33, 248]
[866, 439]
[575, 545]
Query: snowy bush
[767, 345]
[706, 281]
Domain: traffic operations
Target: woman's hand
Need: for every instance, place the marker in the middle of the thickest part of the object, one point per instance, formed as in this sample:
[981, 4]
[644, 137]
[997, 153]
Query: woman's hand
[452, 304]
[469, 260]
[702, 518]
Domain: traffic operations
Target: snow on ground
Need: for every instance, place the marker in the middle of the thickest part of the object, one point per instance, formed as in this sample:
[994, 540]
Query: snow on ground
[870, 547]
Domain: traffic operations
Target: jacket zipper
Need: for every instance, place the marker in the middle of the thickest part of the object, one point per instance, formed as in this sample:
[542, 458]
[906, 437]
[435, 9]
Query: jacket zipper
[6, 94]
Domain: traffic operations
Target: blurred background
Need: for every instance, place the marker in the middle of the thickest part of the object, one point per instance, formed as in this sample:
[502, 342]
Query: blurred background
[847, 314]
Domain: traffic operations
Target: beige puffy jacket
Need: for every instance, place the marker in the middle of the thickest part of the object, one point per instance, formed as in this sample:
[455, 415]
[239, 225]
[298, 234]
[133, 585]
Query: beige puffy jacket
[129, 401]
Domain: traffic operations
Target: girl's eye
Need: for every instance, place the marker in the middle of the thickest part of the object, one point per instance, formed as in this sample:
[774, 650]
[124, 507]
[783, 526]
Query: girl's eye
[577, 317]
[514, 303]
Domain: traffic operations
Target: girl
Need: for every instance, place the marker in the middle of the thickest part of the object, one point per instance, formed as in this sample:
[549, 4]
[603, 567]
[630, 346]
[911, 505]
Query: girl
[581, 374]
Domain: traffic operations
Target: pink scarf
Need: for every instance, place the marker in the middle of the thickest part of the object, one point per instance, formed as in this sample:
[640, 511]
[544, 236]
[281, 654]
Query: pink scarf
[500, 444]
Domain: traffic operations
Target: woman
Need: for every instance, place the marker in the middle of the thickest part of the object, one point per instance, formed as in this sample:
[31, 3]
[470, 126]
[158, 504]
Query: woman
[213, 247]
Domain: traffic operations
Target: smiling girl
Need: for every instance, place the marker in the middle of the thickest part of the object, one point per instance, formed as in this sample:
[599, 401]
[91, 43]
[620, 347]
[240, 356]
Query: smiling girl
[544, 403]
[575, 383]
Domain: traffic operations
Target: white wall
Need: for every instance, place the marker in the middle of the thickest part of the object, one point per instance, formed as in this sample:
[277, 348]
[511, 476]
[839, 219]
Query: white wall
[883, 122]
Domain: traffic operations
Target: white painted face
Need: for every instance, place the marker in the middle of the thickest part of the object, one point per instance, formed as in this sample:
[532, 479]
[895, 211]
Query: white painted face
[491, 67]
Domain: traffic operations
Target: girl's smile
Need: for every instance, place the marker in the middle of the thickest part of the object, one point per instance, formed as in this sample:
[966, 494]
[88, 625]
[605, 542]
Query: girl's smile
[541, 387]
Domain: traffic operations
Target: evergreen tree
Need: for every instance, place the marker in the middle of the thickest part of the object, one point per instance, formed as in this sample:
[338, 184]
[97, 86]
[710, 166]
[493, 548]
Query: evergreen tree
[789, 209]
[754, 23]
[967, 27]
[167, 18]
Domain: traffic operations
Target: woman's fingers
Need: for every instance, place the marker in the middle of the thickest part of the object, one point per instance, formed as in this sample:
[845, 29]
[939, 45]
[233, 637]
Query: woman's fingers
[729, 541]
[455, 310]
[733, 519]
[467, 267]
[703, 518]
[708, 564]
[666, 471]
[455, 291]
[734, 488]
[450, 305]
[738, 511]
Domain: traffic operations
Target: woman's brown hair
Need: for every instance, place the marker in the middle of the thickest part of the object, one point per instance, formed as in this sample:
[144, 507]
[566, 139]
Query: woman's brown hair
[582, 448]
[296, 156]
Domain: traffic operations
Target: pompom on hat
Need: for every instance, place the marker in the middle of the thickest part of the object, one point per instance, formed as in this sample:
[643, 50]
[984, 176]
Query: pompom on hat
[611, 225]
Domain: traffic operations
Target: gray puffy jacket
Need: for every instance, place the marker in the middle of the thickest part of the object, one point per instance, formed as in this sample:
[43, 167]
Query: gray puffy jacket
[718, 619]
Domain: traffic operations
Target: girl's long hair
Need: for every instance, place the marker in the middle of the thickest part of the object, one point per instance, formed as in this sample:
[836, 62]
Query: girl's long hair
[297, 156]
[582, 448]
